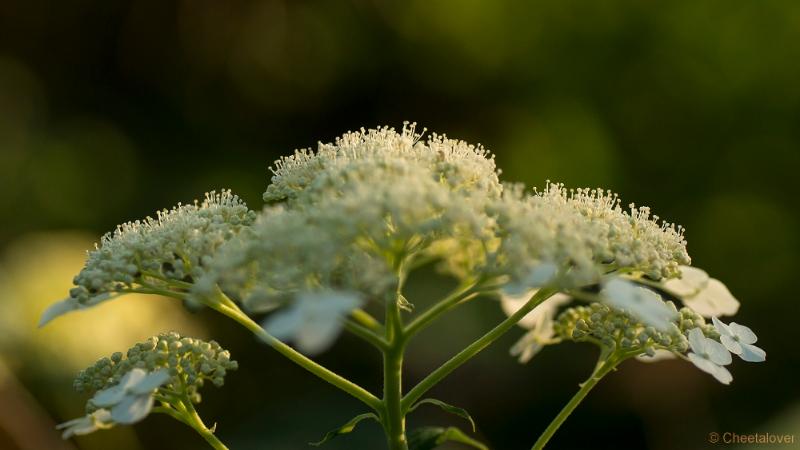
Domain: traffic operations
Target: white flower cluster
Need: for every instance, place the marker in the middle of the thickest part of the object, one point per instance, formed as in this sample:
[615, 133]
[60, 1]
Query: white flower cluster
[345, 221]
[383, 155]
[636, 320]
[125, 387]
[585, 233]
[353, 212]
[176, 246]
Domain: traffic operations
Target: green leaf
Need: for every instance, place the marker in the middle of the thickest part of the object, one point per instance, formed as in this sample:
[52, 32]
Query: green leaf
[346, 428]
[429, 438]
[460, 412]
[404, 304]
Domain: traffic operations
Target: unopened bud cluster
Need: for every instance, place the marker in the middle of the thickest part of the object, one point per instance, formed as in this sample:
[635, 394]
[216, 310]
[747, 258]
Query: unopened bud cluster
[616, 330]
[190, 363]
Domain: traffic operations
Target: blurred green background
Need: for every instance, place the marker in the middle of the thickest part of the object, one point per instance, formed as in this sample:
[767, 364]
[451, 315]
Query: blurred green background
[112, 110]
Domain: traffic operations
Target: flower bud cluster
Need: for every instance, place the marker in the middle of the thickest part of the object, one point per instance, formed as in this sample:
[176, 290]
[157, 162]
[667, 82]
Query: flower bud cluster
[177, 245]
[190, 363]
[615, 330]
[353, 209]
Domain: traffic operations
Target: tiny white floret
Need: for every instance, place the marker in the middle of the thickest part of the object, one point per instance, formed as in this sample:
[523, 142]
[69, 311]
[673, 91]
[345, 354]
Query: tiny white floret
[739, 340]
[709, 356]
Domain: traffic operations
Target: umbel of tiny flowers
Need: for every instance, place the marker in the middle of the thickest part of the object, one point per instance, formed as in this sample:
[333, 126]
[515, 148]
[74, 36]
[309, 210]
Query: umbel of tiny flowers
[161, 255]
[345, 226]
[166, 370]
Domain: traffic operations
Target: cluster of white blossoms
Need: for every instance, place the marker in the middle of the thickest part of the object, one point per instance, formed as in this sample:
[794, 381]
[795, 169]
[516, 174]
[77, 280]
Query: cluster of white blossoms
[166, 252]
[344, 225]
[635, 321]
[352, 214]
[583, 233]
[166, 368]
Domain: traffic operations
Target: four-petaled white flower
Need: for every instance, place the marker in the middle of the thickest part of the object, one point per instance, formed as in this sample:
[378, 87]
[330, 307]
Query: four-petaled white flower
[539, 321]
[709, 356]
[313, 320]
[739, 340]
[705, 295]
[98, 420]
[640, 302]
[132, 398]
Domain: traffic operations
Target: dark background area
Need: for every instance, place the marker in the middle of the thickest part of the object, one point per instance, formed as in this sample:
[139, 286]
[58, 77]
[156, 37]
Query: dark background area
[112, 110]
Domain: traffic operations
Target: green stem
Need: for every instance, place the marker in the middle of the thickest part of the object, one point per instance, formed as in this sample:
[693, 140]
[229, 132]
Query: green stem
[365, 334]
[473, 349]
[190, 417]
[228, 308]
[364, 319]
[393, 416]
[197, 423]
[604, 366]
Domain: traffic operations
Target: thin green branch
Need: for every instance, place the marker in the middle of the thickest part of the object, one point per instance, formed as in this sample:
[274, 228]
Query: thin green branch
[225, 306]
[605, 365]
[366, 335]
[366, 320]
[473, 349]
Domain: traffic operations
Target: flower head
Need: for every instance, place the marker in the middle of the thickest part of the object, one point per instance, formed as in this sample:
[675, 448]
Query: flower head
[379, 154]
[124, 386]
[584, 229]
[165, 252]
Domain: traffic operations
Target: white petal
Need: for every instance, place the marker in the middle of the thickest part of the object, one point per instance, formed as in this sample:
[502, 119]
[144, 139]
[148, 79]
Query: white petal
[285, 323]
[337, 302]
[640, 302]
[692, 281]
[316, 337]
[751, 353]
[541, 275]
[722, 375]
[531, 343]
[151, 382]
[660, 355]
[99, 419]
[58, 309]
[697, 341]
[714, 300]
[702, 363]
[132, 378]
[717, 353]
[745, 334]
[80, 426]
[731, 344]
[515, 289]
[544, 311]
[132, 409]
[109, 397]
[722, 329]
